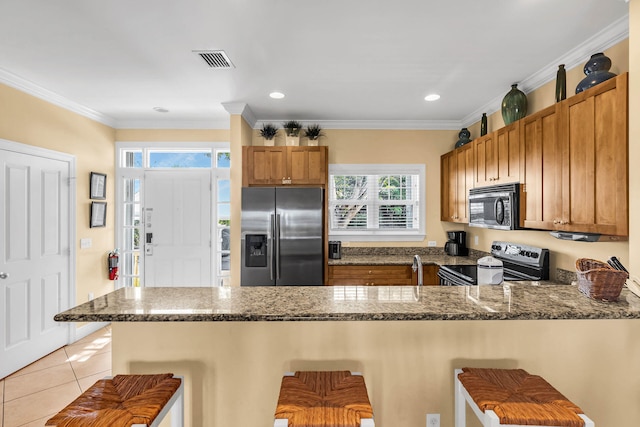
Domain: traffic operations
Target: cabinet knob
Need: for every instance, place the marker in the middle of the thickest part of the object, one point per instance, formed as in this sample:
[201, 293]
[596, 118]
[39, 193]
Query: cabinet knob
[369, 271]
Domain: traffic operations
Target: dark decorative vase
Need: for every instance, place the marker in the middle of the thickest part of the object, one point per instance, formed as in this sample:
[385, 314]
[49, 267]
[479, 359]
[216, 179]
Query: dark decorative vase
[514, 105]
[483, 125]
[561, 83]
[465, 137]
[597, 71]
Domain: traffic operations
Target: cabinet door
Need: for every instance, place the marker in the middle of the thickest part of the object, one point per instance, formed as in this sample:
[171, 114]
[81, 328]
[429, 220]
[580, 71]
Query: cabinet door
[508, 154]
[541, 168]
[464, 182]
[456, 178]
[486, 161]
[430, 275]
[448, 180]
[497, 156]
[370, 275]
[265, 165]
[307, 165]
[594, 126]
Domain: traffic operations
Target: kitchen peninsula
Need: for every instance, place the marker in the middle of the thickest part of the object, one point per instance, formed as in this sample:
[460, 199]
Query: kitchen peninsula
[233, 344]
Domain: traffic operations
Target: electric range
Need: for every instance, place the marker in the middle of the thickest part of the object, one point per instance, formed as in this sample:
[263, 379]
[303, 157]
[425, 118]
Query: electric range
[520, 262]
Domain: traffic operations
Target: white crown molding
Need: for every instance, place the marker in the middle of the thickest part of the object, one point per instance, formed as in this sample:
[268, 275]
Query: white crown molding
[33, 89]
[242, 109]
[173, 124]
[376, 124]
[609, 36]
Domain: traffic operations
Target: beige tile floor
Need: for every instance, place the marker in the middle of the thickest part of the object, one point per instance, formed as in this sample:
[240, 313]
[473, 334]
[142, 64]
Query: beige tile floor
[29, 397]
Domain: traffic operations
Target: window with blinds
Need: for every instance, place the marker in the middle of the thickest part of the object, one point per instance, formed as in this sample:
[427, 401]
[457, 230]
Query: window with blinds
[371, 202]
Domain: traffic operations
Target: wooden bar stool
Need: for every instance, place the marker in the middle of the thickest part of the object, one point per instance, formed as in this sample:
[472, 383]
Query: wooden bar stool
[323, 399]
[511, 398]
[126, 401]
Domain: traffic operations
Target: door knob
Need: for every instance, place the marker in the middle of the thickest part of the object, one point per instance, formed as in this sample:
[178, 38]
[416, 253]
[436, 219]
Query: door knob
[3, 275]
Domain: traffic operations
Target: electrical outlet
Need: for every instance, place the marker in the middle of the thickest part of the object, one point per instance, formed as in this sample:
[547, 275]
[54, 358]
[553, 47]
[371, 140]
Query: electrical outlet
[431, 243]
[433, 420]
[475, 240]
[90, 296]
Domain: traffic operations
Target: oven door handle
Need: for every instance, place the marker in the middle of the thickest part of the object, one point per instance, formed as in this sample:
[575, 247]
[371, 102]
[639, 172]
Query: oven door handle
[518, 275]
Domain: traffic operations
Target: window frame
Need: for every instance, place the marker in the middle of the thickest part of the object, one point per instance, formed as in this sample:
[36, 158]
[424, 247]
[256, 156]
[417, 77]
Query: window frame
[370, 235]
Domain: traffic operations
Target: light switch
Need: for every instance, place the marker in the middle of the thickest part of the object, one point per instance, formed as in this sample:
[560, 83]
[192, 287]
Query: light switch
[85, 243]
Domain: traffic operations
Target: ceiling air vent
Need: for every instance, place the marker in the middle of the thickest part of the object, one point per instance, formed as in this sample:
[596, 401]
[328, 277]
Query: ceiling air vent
[215, 58]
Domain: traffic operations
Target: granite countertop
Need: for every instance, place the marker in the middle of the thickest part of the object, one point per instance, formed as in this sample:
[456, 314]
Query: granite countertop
[402, 256]
[439, 259]
[515, 301]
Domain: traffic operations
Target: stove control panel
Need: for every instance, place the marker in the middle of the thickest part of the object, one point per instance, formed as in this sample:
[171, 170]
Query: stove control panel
[519, 253]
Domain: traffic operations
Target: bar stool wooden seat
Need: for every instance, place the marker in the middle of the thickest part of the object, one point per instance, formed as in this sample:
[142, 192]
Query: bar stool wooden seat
[126, 401]
[323, 399]
[513, 397]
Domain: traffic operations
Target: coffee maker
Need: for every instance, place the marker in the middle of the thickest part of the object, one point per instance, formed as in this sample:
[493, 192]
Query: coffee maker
[457, 243]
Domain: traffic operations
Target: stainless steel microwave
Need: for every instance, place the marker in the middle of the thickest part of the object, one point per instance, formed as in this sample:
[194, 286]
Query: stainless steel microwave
[497, 206]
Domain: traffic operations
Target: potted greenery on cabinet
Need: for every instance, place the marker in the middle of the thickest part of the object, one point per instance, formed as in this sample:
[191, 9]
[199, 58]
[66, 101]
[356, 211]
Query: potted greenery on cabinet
[313, 133]
[292, 130]
[268, 132]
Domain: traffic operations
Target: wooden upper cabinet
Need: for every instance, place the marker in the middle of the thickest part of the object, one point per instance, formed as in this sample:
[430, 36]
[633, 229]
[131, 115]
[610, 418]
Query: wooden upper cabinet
[541, 169]
[456, 178]
[308, 165]
[594, 127]
[574, 163]
[497, 156]
[264, 165]
[280, 165]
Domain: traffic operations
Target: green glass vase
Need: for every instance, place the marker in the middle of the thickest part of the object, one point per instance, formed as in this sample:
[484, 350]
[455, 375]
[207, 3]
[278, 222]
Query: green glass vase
[514, 105]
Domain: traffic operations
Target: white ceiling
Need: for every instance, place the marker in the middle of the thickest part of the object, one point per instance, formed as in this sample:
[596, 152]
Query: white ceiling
[342, 63]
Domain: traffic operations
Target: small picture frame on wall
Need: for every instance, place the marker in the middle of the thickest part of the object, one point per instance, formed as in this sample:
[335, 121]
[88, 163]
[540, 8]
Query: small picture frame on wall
[98, 214]
[98, 186]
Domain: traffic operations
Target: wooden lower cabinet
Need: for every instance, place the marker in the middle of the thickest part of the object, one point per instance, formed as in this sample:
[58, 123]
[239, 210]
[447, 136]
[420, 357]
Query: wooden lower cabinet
[380, 275]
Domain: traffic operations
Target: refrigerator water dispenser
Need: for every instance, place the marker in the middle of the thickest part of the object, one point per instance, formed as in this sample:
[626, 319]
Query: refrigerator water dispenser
[256, 250]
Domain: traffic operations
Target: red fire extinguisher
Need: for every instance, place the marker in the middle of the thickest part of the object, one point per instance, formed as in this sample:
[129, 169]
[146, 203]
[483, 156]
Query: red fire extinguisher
[113, 265]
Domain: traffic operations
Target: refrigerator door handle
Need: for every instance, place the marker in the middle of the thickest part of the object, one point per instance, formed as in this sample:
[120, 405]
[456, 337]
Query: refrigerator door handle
[277, 246]
[271, 239]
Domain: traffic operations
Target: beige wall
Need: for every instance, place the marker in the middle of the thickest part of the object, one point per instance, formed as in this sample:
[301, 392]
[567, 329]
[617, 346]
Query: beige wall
[233, 369]
[29, 120]
[241, 134]
[172, 135]
[634, 137]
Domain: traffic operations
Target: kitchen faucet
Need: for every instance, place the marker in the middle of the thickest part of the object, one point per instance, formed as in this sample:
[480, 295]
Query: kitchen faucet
[417, 266]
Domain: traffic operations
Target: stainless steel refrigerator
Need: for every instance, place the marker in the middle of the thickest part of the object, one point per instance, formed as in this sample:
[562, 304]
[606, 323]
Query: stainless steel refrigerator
[282, 236]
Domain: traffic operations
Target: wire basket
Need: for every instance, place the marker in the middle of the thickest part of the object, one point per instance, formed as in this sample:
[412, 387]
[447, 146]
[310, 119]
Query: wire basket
[598, 280]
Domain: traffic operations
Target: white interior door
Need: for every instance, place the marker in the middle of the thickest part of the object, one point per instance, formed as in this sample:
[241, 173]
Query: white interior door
[35, 257]
[177, 228]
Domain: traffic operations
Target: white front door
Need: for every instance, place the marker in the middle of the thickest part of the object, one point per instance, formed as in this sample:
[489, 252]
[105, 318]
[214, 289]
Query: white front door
[177, 228]
[35, 261]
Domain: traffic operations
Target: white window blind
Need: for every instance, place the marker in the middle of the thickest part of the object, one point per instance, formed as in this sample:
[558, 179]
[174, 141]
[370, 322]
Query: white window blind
[376, 202]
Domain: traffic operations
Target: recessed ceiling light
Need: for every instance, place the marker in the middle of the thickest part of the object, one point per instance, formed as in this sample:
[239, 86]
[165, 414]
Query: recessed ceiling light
[276, 95]
[432, 97]
[160, 109]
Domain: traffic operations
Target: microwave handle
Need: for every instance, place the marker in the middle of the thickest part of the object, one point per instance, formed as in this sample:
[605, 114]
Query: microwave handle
[495, 211]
